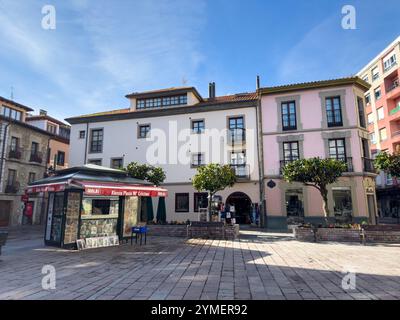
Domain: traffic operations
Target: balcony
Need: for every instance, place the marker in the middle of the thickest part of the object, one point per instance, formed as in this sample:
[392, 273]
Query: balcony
[349, 164]
[393, 90]
[236, 136]
[36, 157]
[242, 171]
[15, 153]
[12, 187]
[348, 161]
[368, 165]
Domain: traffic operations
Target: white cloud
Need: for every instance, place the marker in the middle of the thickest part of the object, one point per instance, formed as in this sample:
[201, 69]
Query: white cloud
[326, 51]
[101, 50]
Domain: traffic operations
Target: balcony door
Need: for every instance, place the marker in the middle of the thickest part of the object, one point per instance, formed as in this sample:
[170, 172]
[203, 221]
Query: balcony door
[238, 162]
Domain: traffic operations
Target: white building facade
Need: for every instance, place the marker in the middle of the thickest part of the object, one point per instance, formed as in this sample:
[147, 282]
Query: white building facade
[178, 130]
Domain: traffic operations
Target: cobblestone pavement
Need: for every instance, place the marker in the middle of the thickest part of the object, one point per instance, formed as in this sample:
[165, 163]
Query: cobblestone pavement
[259, 266]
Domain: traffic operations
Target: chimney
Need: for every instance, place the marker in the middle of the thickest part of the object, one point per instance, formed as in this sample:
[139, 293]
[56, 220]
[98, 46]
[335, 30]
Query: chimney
[258, 82]
[214, 93]
[42, 112]
[211, 90]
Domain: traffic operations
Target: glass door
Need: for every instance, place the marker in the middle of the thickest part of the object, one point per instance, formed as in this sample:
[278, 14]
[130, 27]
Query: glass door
[55, 216]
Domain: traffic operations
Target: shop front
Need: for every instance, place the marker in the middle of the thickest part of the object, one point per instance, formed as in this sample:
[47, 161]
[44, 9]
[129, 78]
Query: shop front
[92, 202]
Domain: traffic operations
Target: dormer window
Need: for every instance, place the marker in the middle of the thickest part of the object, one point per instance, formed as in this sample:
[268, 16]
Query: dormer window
[150, 103]
[12, 113]
[51, 128]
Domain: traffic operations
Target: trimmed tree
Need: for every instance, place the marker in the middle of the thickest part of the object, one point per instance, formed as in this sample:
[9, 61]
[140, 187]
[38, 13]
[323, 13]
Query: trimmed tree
[317, 173]
[155, 175]
[390, 163]
[213, 178]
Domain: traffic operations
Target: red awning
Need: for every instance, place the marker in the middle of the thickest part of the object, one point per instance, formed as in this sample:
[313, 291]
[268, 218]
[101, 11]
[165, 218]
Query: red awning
[50, 187]
[93, 188]
[119, 189]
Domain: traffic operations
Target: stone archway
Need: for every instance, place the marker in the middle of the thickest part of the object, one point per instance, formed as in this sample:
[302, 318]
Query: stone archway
[243, 207]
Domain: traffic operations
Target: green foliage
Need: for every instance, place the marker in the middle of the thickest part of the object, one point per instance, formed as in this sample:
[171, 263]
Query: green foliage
[214, 178]
[155, 175]
[317, 173]
[390, 163]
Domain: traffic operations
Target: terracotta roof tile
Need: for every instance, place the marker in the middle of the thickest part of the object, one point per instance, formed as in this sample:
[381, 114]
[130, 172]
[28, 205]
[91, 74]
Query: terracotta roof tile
[45, 117]
[241, 97]
[104, 113]
[232, 98]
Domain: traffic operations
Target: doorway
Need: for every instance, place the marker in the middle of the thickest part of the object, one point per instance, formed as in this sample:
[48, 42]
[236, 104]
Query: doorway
[371, 208]
[243, 207]
[5, 213]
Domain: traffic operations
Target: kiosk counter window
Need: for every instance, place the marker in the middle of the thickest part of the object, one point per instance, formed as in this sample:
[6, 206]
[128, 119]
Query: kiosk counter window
[99, 217]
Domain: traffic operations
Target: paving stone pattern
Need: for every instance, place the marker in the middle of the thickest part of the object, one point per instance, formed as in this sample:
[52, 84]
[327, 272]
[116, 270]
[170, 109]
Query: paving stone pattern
[259, 265]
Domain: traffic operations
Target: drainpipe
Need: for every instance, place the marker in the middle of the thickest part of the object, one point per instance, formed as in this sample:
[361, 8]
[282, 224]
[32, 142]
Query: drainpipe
[2, 155]
[86, 142]
[260, 140]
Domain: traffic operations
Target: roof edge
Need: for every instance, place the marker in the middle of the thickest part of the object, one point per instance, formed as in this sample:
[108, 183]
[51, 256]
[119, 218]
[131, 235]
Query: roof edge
[164, 92]
[16, 104]
[315, 85]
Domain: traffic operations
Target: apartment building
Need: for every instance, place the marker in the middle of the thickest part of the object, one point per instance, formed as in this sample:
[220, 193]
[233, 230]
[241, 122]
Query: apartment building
[58, 155]
[23, 150]
[178, 130]
[383, 114]
[323, 119]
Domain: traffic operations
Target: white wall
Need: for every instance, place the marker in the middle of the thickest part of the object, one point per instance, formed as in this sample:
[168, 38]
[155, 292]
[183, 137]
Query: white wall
[120, 140]
[41, 124]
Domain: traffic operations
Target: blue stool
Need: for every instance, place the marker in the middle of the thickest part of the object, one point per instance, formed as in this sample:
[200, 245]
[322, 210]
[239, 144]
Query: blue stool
[139, 231]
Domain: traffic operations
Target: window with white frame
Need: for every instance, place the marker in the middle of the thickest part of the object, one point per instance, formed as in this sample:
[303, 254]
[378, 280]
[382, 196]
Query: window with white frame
[389, 62]
[12, 113]
[144, 131]
[370, 118]
[383, 134]
[377, 93]
[375, 73]
[381, 113]
[198, 159]
[367, 98]
[372, 137]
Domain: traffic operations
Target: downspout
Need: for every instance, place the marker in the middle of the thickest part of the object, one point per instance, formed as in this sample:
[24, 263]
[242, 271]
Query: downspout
[86, 142]
[2, 155]
[260, 145]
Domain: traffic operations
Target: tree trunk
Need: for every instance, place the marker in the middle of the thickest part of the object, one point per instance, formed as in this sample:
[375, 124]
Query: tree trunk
[209, 206]
[325, 207]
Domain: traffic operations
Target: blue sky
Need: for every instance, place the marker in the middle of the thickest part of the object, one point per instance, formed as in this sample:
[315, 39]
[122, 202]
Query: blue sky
[102, 50]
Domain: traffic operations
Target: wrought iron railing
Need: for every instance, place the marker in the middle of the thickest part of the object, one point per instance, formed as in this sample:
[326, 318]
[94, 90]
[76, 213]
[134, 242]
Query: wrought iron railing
[12, 187]
[36, 157]
[368, 165]
[15, 153]
[242, 171]
[348, 161]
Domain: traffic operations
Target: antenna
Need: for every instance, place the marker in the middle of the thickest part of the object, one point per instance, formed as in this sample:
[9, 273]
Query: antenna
[12, 93]
[184, 81]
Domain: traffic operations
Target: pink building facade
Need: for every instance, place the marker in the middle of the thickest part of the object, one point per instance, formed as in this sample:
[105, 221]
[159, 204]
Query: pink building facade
[383, 113]
[323, 119]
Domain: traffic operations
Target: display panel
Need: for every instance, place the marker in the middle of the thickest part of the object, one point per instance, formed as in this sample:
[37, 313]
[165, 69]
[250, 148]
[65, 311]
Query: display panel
[99, 217]
[131, 208]
[72, 217]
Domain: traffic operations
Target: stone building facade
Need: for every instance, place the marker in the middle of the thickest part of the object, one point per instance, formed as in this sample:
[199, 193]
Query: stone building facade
[23, 159]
